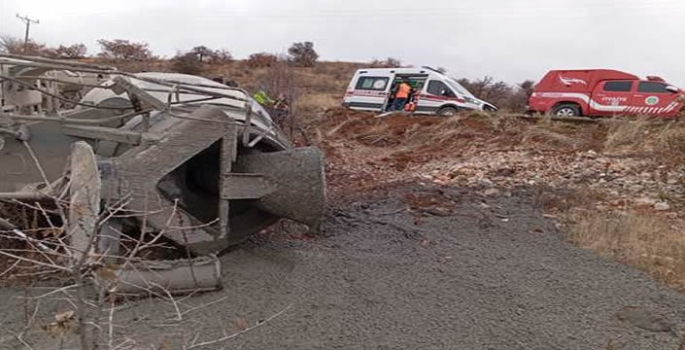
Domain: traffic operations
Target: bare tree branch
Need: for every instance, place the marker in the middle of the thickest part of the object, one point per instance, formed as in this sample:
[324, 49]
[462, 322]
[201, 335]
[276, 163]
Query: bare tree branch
[234, 335]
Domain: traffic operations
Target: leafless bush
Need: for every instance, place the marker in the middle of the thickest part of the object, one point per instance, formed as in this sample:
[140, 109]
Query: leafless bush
[487, 89]
[124, 50]
[17, 46]
[73, 51]
[207, 55]
[522, 93]
[386, 63]
[499, 93]
[281, 78]
[10, 44]
[220, 56]
[88, 300]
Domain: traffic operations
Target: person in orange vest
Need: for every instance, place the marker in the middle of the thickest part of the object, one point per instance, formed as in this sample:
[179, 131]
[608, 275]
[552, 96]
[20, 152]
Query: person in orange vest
[413, 99]
[401, 96]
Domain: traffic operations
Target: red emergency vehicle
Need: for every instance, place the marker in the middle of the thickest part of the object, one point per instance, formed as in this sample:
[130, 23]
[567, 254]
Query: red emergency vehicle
[604, 92]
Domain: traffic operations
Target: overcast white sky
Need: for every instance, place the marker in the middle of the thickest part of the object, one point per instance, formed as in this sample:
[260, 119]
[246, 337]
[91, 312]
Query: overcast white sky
[511, 40]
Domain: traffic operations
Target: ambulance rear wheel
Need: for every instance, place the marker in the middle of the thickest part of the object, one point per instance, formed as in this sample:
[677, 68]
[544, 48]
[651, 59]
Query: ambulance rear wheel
[566, 110]
[447, 111]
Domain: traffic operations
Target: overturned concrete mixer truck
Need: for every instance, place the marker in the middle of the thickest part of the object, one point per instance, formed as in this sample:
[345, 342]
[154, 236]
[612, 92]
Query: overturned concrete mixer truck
[202, 161]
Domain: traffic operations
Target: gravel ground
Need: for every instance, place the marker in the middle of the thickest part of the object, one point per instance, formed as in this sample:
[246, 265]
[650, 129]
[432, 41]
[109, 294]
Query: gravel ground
[487, 273]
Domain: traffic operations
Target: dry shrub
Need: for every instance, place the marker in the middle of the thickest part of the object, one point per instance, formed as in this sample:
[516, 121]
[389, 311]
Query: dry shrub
[187, 63]
[665, 138]
[340, 72]
[626, 132]
[564, 200]
[473, 124]
[261, 60]
[151, 65]
[544, 136]
[640, 240]
[671, 139]
[124, 50]
[378, 135]
[431, 137]
[317, 102]
[320, 83]
[454, 128]
[34, 224]
[389, 62]
[303, 54]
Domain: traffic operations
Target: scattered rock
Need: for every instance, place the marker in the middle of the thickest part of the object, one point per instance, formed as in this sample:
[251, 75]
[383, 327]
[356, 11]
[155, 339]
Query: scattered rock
[441, 212]
[636, 188]
[662, 206]
[485, 182]
[627, 182]
[491, 192]
[645, 319]
[645, 202]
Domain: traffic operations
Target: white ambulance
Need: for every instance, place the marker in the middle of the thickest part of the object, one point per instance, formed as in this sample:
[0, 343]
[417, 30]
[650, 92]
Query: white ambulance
[370, 90]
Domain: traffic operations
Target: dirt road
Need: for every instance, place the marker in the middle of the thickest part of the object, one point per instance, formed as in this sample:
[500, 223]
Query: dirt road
[476, 273]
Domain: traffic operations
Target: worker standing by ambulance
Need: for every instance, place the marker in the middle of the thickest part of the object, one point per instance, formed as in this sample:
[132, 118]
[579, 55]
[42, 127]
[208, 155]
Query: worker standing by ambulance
[401, 96]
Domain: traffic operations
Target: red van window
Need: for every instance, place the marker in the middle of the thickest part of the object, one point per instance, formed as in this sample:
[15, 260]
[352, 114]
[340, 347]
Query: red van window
[652, 87]
[618, 86]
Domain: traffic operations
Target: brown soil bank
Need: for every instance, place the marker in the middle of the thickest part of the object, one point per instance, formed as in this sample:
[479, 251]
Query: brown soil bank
[416, 267]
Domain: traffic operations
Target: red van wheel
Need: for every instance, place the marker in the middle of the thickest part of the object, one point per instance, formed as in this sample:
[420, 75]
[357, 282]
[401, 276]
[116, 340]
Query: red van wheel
[566, 110]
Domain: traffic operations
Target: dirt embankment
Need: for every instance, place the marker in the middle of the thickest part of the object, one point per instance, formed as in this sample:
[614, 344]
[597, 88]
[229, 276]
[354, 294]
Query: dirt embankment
[514, 151]
[608, 171]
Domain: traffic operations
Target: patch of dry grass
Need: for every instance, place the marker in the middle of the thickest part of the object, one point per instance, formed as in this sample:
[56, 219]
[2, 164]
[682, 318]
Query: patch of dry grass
[317, 102]
[644, 241]
[649, 135]
[625, 132]
[546, 136]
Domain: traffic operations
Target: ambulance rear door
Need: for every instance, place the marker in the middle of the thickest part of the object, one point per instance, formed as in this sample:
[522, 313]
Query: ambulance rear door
[369, 92]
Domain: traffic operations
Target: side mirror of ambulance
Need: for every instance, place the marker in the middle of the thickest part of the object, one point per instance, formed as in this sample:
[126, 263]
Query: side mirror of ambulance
[672, 89]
